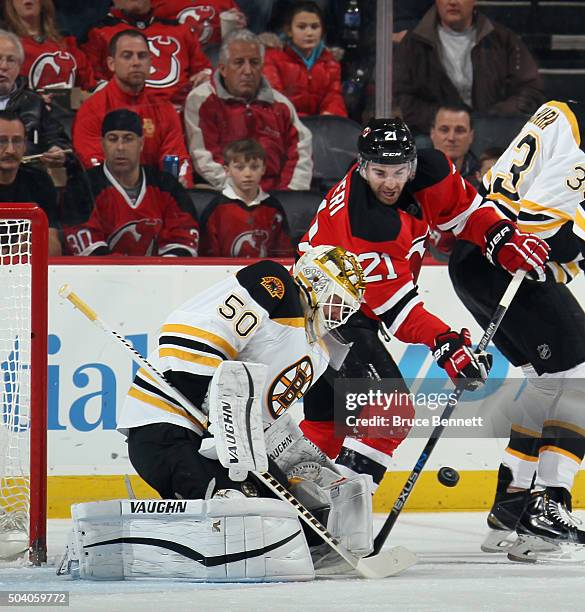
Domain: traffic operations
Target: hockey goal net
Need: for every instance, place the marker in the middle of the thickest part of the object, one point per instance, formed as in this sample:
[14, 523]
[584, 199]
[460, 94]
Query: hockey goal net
[23, 381]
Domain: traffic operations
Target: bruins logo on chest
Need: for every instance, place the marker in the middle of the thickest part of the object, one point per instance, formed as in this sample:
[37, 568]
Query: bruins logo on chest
[290, 385]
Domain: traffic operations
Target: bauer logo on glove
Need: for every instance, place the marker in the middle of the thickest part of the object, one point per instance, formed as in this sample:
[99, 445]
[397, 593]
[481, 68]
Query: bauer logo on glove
[513, 250]
[452, 352]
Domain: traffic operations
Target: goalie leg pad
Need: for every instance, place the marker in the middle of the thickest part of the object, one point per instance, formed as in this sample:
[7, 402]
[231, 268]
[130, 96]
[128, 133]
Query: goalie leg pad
[350, 518]
[218, 540]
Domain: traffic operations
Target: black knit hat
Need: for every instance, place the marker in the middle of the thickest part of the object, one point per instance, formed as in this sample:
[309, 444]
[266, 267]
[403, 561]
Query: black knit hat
[122, 119]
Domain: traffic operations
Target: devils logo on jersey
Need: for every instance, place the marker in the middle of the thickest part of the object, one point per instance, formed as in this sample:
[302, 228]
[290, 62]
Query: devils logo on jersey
[289, 386]
[253, 243]
[166, 68]
[136, 237]
[55, 68]
[203, 15]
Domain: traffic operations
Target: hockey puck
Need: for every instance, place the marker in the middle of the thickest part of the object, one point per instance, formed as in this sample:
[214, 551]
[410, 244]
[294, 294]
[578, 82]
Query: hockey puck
[448, 476]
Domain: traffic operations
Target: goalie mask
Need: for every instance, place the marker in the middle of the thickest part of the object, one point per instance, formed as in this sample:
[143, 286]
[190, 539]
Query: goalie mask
[333, 285]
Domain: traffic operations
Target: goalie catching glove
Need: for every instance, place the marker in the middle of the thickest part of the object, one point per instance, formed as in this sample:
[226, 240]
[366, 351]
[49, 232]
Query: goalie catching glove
[513, 250]
[452, 352]
[235, 417]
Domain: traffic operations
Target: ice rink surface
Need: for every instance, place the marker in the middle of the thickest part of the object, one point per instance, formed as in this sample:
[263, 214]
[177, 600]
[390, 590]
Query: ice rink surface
[452, 574]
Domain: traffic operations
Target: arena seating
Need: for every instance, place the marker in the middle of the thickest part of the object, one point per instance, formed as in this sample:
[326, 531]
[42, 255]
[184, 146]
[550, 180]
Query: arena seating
[334, 147]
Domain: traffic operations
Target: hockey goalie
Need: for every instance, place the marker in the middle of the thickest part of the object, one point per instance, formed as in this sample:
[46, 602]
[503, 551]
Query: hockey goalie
[243, 352]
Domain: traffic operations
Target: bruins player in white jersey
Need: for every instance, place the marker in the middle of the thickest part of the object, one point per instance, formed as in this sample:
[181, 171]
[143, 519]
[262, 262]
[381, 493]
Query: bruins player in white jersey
[539, 182]
[260, 315]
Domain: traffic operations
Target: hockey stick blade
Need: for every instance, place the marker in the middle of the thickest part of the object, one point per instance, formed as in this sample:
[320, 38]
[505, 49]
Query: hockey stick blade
[387, 563]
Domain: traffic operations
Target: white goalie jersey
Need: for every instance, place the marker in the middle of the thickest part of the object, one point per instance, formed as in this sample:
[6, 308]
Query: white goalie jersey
[539, 181]
[253, 316]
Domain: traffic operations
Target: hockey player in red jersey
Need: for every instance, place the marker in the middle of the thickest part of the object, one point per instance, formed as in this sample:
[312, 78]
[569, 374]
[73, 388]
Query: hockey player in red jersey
[382, 211]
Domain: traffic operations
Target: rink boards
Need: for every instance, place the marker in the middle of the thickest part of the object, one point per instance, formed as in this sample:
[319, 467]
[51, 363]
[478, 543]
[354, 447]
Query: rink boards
[89, 376]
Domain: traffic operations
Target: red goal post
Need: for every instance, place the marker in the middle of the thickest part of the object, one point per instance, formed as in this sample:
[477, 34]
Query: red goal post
[23, 381]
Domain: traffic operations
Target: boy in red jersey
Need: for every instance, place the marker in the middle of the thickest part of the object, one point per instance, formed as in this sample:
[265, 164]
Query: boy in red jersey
[244, 221]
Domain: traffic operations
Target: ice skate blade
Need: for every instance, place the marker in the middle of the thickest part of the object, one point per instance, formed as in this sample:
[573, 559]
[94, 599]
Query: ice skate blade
[531, 549]
[498, 541]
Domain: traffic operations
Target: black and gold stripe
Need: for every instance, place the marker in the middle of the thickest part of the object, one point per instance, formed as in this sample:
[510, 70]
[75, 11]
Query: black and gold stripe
[563, 438]
[524, 443]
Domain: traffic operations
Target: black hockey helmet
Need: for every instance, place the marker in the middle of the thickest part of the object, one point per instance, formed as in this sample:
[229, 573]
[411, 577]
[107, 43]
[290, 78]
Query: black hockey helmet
[386, 141]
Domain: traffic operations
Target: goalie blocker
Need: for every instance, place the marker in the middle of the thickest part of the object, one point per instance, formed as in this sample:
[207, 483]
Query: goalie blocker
[226, 539]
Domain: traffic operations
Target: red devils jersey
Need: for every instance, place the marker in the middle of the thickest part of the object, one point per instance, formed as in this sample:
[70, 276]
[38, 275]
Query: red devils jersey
[174, 47]
[202, 15]
[160, 221]
[230, 228]
[389, 240]
[49, 63]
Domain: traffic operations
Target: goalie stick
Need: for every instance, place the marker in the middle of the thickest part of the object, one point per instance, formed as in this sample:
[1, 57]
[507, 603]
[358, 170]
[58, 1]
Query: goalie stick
[379, 565]
[489, 333]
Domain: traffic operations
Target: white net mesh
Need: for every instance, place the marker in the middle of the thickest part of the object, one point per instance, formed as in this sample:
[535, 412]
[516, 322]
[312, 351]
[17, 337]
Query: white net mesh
[15, 384]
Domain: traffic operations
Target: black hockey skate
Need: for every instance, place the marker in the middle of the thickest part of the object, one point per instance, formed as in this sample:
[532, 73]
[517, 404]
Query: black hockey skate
[547, 531]
[504, 515]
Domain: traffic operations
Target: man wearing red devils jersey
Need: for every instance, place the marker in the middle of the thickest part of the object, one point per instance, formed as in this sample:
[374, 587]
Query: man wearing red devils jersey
[129, 209]
[178, 64]
[202, 15]
[163, 133]
[382, 210]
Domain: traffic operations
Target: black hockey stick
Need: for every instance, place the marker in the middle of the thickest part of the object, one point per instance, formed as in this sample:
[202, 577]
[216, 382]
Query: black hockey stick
[491, 329]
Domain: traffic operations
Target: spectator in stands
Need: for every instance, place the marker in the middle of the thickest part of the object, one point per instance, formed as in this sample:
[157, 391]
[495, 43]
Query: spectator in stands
[239, 103]
[486, 160]
[131, 209]
[452, 133]
[51, 60]
[130, 59]
[203, 15]
[305, 71]
[178, 64]
[244, 221]
[45, 135]
[20, 183]
[457, 56]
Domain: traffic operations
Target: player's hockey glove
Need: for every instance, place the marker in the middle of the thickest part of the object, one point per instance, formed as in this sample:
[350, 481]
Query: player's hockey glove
[452, 351]
[513, 250]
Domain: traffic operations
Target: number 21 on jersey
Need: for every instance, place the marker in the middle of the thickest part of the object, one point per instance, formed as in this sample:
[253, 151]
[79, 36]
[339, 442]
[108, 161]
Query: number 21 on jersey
[379, 263]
